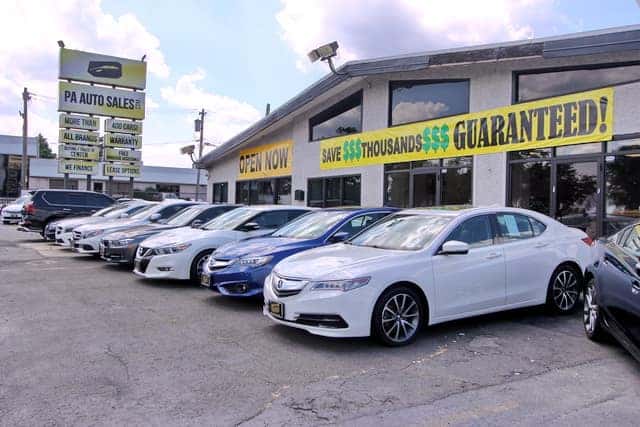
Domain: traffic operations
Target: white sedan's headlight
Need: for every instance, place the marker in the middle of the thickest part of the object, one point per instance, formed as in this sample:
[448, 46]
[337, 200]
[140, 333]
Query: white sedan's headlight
[338, 285]
[255, 261]
[94, 233]
[172, 249]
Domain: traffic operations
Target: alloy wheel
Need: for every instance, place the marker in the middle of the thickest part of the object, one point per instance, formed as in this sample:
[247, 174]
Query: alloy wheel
[590, 312]
[400, 317]
[565, 290]
[200, 265]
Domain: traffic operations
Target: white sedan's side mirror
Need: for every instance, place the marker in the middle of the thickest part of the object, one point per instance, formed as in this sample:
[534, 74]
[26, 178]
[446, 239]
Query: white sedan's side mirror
[155, 217]
[455, 247]
[124, 215]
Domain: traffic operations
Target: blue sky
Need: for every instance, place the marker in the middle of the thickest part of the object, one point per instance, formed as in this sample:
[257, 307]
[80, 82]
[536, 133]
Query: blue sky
[232, 57]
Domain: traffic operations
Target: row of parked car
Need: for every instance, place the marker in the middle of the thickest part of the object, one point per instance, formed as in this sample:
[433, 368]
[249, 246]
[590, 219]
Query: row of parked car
[351, 272]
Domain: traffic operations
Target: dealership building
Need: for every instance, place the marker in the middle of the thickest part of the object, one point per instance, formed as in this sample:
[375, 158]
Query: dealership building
[549, 124]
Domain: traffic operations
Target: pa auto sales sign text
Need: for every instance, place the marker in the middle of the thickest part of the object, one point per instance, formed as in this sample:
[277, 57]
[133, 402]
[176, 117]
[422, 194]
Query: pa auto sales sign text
[563, 120]
[101, 101]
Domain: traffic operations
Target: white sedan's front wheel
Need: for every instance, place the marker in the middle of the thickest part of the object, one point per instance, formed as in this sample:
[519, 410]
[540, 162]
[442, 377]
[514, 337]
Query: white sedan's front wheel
[398, 316]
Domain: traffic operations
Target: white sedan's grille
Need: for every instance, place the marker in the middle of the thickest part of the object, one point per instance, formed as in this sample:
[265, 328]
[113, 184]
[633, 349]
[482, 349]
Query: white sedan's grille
[286, 287]
[77, 235]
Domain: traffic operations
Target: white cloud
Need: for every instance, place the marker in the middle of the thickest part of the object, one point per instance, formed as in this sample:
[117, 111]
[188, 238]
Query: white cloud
[405, 112]
[29, 53]
[373, 28]
[225, 117]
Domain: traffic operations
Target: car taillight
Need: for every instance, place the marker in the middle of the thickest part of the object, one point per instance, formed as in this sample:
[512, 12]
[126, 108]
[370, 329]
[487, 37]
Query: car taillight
[30, 209]
[587, 240]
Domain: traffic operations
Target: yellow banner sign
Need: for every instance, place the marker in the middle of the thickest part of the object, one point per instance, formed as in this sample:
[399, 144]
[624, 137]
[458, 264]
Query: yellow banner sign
[266, 160]
[77, 167]
[563, 120]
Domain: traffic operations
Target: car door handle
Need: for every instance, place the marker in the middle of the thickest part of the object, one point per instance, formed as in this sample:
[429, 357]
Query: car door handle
[541, 245]
[635, 287]
[493, 255]
[66, 210]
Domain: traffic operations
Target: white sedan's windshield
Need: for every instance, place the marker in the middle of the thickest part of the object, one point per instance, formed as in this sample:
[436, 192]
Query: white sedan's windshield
[231, 219]
[22, 200]
[403, 232]
[147, 210]
[108, 209]
[311, 226]
[185, 216]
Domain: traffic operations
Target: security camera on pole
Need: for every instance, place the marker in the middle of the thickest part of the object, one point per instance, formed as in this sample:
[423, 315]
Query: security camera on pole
[98, 85]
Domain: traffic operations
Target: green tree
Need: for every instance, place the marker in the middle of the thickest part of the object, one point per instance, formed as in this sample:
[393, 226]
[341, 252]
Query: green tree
[44, 149]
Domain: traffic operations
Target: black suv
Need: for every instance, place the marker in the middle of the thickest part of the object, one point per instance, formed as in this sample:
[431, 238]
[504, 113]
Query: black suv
[50, 205]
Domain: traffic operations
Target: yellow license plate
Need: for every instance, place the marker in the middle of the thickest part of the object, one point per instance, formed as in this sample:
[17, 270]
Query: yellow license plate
[204, 280]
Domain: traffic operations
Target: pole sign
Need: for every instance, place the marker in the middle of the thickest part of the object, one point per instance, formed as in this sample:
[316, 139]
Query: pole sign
[121, 155]
[77, 167]
[100, 101]
[122, 140]
[79, 122]
[123, 126]
[79, 152]
[95, 68]
[122, 169]
[563, 120]
[67, 136]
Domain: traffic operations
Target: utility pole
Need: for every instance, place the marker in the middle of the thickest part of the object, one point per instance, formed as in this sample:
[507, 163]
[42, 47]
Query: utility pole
[23, 169]
[202, 114]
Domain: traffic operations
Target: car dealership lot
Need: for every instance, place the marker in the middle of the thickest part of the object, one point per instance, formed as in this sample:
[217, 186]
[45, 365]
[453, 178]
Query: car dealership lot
[83, 342]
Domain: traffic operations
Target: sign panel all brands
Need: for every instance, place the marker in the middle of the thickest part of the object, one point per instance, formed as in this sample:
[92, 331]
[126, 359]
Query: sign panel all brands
[122, 140]
[67, 136]
[96, 68]
[78, 167]
[101, 101]
[563, 120]
[123, 126]
[122, 155]
[122, 169]
[80, 152]
[266, 160]
[79, 122]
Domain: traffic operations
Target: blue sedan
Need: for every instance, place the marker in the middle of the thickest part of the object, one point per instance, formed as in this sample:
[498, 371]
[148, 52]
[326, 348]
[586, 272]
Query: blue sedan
[239, 269]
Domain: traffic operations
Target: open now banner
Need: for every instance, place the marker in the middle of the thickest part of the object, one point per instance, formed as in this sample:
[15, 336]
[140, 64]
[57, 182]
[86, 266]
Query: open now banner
[266, 160]
[563, 120]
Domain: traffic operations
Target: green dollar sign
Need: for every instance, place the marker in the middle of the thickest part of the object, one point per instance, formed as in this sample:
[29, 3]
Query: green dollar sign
[426, 140]
[345, 151]
[435, 134]
[358, 149]
[444, 133]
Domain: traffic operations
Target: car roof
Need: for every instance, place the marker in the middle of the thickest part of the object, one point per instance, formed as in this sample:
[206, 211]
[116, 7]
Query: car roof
[359, 209]
[278, 207]
[455, 211]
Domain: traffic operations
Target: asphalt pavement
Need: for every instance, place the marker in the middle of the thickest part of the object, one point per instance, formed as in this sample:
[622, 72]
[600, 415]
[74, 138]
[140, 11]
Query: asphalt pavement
[86, 343]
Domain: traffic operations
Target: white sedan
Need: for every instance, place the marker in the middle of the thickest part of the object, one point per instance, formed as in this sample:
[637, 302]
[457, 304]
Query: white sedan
[422, 267]
[183, 252]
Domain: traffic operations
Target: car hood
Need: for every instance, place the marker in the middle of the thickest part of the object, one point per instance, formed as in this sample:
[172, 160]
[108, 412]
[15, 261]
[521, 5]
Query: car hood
[260, 246]
[188, 235]
[338, 261]
[110, 225]
[13, 208]
[139, 230]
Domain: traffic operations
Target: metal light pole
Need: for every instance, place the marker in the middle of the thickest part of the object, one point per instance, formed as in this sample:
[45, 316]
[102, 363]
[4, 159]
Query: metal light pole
[202, 114]
[23, 171]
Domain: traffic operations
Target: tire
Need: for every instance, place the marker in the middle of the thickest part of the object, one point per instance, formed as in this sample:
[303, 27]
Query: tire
[592, 318]
[563, 294]
[197, 263]
[398, 316]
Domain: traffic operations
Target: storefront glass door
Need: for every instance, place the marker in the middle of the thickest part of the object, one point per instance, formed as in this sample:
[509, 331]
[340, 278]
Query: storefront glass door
[424, 189]
[577, 195]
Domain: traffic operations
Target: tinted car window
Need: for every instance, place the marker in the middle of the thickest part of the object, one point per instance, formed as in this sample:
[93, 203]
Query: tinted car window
[538, 227]
[170, 210]
[55, 197]
[359, 223]
[272, 219]
[209, 214]
[514, 227]
[77, 199]
[476, 232]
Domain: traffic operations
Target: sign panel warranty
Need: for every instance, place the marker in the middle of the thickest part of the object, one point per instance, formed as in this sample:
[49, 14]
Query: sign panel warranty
[101, 101]
[563, 120]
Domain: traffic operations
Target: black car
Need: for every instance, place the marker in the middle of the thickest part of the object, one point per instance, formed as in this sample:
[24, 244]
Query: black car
[612, 294]
[46, 206]
[120, 247]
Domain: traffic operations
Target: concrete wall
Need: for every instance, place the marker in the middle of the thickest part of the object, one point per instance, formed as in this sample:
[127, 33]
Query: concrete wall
[491, 86]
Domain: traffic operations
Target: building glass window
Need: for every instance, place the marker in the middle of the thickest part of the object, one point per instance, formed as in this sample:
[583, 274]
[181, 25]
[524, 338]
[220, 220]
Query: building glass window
[414, 101]
[58, 184]
[334, 191]
[343, 118]
[583, 186]
[220, 192]
[544, 84]
[429, 183]
[264, 191]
